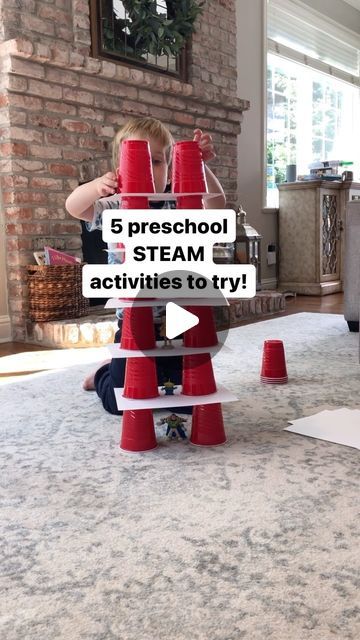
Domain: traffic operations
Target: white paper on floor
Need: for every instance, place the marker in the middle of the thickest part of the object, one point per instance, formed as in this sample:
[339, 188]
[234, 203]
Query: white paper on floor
[341, 426]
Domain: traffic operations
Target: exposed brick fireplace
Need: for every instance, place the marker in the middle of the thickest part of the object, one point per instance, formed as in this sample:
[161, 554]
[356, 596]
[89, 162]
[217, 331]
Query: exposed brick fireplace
[59, 109]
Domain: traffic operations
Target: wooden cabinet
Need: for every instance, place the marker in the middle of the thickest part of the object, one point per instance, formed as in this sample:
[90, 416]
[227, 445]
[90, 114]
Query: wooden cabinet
[311, 238]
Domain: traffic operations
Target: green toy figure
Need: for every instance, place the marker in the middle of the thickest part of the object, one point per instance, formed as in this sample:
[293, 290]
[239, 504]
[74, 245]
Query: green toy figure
[169, 388]
[175, 428]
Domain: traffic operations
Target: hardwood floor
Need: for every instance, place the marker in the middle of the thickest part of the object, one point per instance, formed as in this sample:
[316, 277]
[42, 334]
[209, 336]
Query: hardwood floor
[9, 348]
[313, 304]
[316, 304]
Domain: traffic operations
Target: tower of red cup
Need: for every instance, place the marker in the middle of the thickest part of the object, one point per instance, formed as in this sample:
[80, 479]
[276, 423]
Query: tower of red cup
[138, 433]
[188, 176]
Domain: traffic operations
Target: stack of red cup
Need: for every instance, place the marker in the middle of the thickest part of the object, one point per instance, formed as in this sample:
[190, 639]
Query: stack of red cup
[198, 375]
[138, 433]
[135, 173]
[138, 329]
[207, 429]
[140, 378]
[204, 333]
[188, 174]
[273, 369]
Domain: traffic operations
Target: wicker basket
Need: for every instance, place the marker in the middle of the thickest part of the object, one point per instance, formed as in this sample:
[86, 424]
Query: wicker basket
[55, 292]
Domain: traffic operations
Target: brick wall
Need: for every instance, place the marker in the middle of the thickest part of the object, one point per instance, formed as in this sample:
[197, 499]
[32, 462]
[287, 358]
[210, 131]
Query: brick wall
[59, 109]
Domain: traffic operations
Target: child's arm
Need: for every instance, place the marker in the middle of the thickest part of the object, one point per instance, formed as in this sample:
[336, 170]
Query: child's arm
[80, 202]
[214, 186]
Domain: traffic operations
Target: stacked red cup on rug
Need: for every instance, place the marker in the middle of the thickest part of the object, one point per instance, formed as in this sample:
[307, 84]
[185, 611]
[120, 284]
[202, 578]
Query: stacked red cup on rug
[138, 433]
[134, 175]
[273, 368]
[188, 176]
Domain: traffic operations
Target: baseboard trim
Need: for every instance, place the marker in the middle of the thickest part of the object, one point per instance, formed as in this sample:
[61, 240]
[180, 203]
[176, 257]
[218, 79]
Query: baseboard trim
[312, 288]
[5, 329]
[268, 283]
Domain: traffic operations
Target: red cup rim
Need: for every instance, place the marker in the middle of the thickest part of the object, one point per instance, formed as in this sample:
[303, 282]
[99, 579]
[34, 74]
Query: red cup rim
[186, 143]
[273, 343]
[135, 143]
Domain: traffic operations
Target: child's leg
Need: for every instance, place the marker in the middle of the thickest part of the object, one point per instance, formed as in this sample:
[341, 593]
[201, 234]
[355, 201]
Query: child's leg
[107, 378]
[112, 375]
[89, 381]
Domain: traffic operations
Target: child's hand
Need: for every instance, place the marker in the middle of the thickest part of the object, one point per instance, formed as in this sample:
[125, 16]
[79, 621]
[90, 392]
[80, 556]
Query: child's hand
[106, 185]
[206, 145]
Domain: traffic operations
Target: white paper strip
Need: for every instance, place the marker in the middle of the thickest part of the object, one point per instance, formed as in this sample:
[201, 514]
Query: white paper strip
[177, 400]
[341, 426]
[166, 196]
[117, 303]
[160, 352]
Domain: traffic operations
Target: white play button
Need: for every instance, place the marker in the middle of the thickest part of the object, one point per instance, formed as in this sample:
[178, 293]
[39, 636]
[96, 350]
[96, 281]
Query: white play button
[178, 320]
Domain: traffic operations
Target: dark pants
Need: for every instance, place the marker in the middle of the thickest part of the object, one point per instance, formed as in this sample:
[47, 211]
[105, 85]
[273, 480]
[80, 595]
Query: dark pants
[112, 375]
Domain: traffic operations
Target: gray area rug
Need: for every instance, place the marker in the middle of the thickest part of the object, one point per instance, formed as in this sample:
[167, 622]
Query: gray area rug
[257, 539]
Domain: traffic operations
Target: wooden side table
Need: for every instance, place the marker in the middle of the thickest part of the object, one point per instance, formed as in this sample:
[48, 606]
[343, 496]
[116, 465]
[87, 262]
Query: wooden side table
[311, 239]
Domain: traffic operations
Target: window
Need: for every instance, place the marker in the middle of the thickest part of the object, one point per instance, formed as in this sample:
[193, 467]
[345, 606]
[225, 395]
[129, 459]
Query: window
[310, 117]
[112, 39]
[312, 93]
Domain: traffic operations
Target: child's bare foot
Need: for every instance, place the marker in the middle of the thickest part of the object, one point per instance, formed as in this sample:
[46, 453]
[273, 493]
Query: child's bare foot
[88, 383]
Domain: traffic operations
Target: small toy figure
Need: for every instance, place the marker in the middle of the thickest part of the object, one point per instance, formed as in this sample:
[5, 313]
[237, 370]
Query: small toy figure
[175, 428]
[169, 388]
[167, 342]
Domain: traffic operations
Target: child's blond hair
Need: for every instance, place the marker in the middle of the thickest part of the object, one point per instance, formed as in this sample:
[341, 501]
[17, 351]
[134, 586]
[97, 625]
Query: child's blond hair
[149, 127]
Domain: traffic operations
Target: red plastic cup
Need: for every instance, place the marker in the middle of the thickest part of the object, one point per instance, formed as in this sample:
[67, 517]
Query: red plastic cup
[138, 331]
[273, 368]
[189, 202]
[135, 173]
[135, 167]
[204, 333]
[120, 245]
[188, 174]
[198, 376]
[134, 203]
[140, 378]
[207, 428]
[138, 431]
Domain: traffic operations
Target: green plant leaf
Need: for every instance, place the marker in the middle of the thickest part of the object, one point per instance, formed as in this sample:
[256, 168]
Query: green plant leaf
[150, 31]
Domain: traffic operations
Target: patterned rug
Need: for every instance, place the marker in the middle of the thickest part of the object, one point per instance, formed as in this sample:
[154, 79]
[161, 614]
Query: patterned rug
[255, 539]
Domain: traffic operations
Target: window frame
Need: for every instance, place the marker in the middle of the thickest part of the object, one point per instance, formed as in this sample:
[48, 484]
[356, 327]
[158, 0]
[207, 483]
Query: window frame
[291, 54]
[97, 51]
[305, 82]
